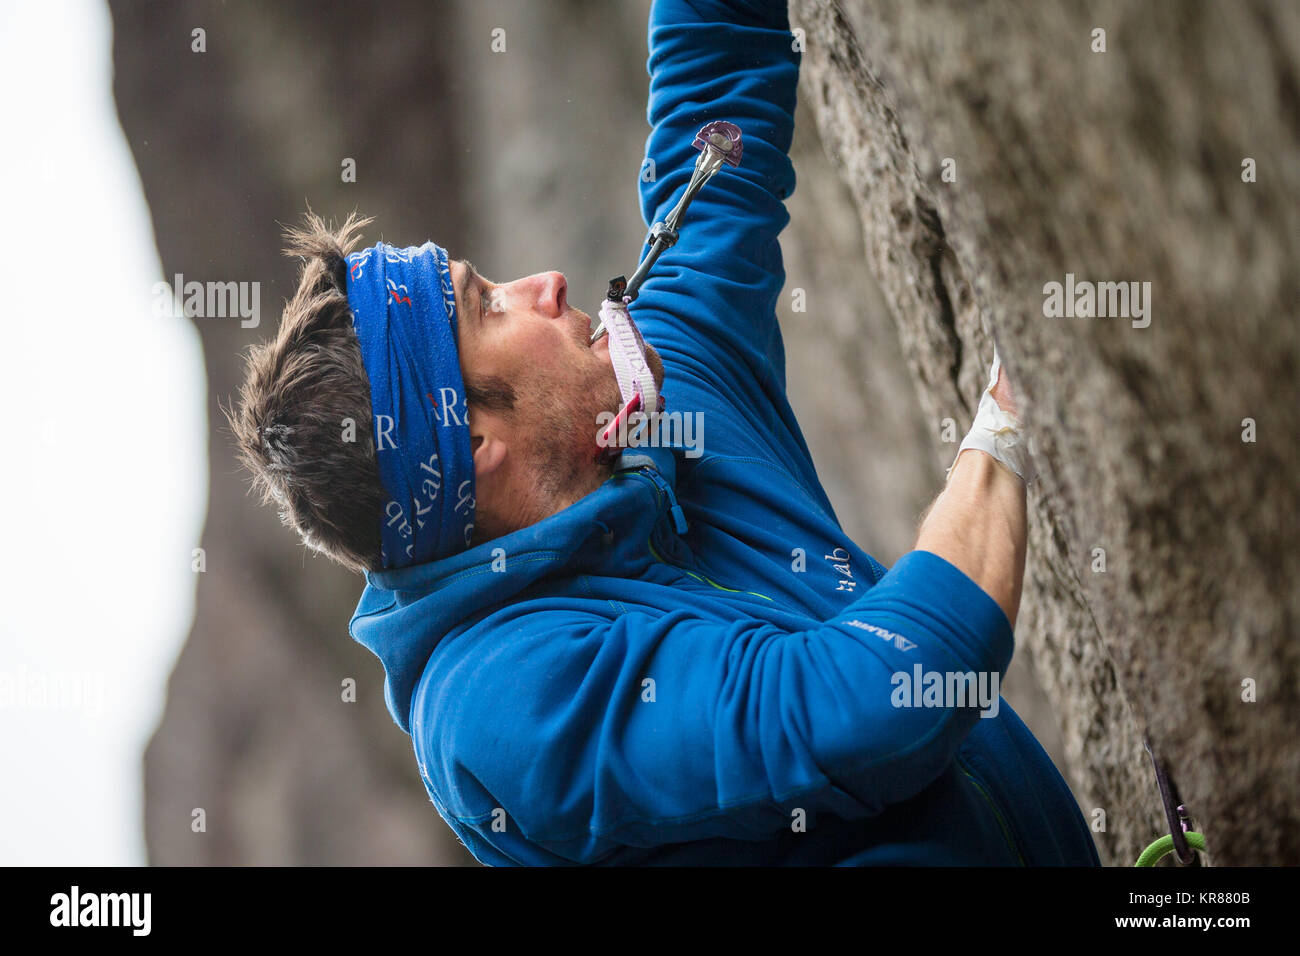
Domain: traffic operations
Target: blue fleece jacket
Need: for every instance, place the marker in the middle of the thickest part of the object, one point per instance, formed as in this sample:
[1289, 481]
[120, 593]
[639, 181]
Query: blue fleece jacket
[694, 664]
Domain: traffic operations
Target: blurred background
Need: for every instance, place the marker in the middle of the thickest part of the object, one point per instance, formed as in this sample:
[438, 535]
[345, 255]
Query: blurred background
[172, 657]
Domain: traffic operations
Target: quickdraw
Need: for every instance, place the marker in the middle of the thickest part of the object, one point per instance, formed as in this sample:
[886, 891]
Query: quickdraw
[718, 142]
[1181, 839]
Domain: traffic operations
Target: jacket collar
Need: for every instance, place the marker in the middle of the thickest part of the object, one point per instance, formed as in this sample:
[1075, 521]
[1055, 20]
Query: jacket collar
[403, 614]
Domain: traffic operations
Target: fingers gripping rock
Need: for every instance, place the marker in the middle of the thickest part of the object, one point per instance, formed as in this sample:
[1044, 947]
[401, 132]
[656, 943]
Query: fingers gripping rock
[999, 432]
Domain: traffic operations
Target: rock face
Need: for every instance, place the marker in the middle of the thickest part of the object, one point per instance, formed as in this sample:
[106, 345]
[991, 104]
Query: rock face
[1161, 597]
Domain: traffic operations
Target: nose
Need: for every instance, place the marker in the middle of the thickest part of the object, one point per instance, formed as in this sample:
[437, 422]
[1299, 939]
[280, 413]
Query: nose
[548, 290]
[557, 291]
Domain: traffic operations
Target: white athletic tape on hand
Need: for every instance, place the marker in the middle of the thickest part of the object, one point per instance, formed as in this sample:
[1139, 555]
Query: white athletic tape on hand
[999, 433]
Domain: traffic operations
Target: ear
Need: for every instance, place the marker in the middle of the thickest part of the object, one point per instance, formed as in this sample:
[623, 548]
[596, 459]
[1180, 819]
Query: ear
[487, 439]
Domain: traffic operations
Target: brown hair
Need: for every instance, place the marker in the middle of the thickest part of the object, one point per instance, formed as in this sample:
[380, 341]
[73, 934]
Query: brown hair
[300, 391]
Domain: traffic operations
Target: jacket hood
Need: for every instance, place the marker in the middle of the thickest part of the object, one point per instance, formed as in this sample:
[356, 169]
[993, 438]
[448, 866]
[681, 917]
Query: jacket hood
[404, 613]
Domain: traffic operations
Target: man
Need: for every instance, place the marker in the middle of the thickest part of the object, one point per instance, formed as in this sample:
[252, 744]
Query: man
[675, 656]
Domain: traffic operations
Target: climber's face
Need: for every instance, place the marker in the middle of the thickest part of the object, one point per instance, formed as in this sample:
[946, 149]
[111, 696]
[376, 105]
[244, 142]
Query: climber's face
[515, 330]
[525, 333]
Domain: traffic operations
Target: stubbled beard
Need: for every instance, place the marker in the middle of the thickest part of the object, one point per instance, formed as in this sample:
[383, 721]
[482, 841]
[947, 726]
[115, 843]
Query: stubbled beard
[562, 451]
[563, 454]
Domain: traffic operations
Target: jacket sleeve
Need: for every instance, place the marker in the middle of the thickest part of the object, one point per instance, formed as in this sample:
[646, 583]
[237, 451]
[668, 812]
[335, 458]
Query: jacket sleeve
[544, 723]
[709, 305]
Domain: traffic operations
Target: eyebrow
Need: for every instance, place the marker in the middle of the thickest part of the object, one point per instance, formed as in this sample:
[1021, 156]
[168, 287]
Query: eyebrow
[468, 273]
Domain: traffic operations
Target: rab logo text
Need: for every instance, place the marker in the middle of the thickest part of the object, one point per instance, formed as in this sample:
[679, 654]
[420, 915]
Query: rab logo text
[839, 559]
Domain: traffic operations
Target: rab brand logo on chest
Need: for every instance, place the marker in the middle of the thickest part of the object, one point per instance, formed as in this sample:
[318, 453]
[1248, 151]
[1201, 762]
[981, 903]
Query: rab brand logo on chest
[839, 559]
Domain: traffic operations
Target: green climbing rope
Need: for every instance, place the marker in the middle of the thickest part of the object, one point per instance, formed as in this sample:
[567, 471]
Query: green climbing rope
[1165, 845]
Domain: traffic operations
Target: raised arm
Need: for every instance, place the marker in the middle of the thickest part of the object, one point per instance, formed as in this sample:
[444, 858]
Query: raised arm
[709, 305]
[744, 722]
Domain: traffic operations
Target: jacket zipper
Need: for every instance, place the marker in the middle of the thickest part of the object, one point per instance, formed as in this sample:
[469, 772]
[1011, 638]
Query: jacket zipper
[679, 523]
[1006, 830]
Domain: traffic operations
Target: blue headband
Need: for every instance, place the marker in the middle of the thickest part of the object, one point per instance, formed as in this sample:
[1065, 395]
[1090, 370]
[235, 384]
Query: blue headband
[404, 312]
